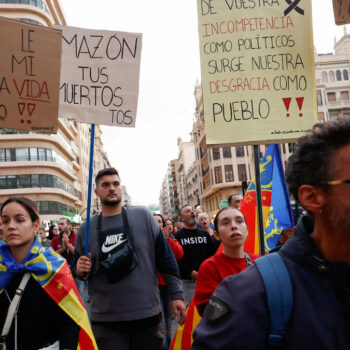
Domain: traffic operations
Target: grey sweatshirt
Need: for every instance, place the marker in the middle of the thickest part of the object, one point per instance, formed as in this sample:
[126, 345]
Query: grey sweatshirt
[136, 296]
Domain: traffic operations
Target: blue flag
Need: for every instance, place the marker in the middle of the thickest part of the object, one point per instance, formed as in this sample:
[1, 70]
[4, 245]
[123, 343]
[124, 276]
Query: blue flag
[277, 209]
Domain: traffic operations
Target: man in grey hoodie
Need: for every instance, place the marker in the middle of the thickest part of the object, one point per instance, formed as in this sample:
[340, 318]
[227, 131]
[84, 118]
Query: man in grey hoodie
[126, 314]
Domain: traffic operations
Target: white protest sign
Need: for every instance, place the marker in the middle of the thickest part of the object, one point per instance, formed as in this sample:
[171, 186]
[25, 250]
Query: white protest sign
[100, 76]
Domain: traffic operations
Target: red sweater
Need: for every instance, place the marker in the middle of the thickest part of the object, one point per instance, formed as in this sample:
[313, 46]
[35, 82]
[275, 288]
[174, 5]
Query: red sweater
[212, 272]
[178, 253]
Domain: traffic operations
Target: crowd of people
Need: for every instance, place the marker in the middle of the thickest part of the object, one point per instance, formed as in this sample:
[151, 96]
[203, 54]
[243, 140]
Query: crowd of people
[142, 270]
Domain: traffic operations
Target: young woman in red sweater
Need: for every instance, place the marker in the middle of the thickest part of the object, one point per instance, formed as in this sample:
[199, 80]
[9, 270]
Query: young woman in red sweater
[231, 229]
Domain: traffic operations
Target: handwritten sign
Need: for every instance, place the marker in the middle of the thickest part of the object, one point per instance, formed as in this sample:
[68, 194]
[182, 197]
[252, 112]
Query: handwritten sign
[100, 76]
[257, 66]
[30, 58]
[341, 11]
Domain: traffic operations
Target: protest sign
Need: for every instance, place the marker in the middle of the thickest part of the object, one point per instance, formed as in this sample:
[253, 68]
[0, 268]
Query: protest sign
[341, 11]
[258, 75]
[30, 59]
[100, 76]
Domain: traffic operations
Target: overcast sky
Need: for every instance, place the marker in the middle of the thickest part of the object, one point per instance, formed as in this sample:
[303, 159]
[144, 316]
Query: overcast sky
[170, 68]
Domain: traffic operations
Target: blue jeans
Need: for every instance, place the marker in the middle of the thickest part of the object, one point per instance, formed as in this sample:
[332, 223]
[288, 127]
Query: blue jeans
[165, 326]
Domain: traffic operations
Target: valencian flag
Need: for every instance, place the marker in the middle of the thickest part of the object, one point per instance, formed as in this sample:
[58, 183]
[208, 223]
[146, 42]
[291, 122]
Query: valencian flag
[53, 274]
[277, 210]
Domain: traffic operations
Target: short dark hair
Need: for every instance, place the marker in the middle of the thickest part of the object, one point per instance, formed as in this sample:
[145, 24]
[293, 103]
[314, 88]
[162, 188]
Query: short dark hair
[68, 222]
[26, 203]
[105, 172]
[229, 199]
[312, 162]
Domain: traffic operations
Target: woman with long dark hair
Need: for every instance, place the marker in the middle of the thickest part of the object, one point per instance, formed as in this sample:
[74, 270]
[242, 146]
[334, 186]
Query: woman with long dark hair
[53, 232]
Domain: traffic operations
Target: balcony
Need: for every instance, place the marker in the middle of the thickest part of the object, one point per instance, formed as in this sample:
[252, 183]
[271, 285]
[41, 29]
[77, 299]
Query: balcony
[338, 104]
[37, 3]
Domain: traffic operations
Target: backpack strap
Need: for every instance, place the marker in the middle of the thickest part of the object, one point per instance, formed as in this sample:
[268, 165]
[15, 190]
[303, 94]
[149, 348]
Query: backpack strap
[12, 310]
[279, 293]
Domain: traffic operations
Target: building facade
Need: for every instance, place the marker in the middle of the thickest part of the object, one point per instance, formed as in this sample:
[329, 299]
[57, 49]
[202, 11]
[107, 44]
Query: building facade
[185, 159]
[332, 81]
[164, 198]
[169, 204]
[51, 169]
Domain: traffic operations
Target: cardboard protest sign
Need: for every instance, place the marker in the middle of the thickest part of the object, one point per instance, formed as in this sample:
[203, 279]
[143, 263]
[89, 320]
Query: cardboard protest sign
[257, 63]
[341, 11]
[30, 59]
[100, 76]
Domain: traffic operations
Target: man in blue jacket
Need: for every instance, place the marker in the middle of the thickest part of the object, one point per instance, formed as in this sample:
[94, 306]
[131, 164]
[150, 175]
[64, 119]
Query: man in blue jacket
[317, 258]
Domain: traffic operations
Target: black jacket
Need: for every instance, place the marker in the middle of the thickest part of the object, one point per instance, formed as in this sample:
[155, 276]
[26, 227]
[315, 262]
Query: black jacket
[321, 311]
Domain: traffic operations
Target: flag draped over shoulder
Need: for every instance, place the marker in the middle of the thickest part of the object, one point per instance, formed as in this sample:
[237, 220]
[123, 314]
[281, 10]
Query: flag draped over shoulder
[277, 210]
[53, 274]
[183, 338]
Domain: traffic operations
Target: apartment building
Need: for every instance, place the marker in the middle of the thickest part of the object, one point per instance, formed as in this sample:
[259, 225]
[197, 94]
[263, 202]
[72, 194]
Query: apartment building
[332, 81]
[185, 159]
[164, 198]
[51, 169]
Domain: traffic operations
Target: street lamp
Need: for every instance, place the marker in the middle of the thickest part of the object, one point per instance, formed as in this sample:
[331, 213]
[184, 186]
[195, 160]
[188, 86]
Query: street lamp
[93, 206]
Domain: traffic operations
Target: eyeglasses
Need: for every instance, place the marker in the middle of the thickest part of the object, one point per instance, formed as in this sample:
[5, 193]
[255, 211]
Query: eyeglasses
[338, 182]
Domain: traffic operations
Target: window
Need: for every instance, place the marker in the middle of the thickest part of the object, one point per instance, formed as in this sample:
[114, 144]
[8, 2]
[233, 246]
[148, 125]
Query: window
[345, 74]
[22, 154]
[229, 173]
[319, 98]
[49, 156]
[331, 77]
[338, 75]
[3, 184]
[24, 181]
[11, 181]
[226, 151]
[218, 174]
[36, 3]
[29, 20]
[325, 77]
[3, 154]
[331, 96]
[35, 180]
[240, 151]
[344, 95]
[291, 147]
[242, 172]
[320, 116]
[216, 153]
[41, 154]
[12, 155]
[33, 154]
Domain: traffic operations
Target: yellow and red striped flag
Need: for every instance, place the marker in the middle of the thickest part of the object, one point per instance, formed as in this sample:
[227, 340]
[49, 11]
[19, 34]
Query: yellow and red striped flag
[183, 337]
